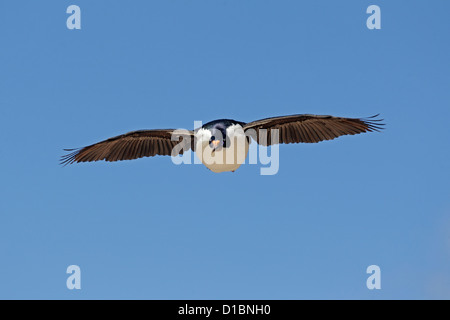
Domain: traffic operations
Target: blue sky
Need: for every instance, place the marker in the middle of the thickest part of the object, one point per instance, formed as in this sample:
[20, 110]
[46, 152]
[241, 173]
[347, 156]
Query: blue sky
[149, 229]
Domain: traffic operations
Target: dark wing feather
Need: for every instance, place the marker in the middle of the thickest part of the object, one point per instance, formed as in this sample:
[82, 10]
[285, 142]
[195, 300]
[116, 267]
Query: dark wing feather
[309, 128]
[133, 145]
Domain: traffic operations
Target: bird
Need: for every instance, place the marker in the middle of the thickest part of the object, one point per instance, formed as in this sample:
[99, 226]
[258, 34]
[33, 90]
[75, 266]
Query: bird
[222, 145]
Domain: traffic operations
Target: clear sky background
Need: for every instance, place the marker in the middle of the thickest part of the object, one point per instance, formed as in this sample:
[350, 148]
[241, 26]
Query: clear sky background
[149, 229]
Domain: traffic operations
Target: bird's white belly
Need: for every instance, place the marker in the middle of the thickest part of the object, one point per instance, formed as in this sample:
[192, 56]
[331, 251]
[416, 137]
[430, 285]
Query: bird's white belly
[224, 159]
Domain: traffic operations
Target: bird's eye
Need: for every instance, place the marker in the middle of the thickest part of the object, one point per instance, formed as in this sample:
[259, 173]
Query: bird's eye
[213, 138]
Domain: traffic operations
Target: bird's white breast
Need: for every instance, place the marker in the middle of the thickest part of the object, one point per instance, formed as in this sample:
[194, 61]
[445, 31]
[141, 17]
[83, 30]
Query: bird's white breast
[224, 159]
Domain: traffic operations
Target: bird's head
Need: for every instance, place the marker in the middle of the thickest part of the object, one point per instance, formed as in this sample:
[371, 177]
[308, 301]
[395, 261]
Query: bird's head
[218, 138]
[217, 134]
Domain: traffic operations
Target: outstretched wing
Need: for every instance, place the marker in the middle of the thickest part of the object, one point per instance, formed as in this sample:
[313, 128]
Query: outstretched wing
[309, 128]
[133, 145]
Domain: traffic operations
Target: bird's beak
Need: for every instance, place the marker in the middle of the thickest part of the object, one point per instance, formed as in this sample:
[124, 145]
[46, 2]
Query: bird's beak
[215, 143]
